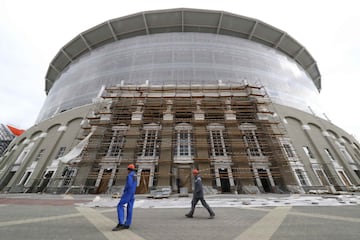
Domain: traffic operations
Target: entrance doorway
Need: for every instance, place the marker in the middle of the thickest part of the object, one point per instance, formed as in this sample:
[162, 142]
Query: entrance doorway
[322, 177]
[224, 180]
[344, 178]
[7, 179]
[265, 182]
[144, 182]
[184, 178]
[45, 181]
[103, 186]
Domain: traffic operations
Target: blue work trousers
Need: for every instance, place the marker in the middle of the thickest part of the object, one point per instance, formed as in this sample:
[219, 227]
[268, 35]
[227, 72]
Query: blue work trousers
[129, 202]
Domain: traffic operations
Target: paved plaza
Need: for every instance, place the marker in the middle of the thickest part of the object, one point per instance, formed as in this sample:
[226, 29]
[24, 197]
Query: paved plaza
[63, 217]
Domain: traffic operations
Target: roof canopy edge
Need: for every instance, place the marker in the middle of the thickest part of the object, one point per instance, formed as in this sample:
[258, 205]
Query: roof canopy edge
[181, 20]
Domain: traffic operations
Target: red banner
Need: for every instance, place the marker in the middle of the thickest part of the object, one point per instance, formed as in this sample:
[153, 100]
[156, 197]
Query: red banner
[15, 131]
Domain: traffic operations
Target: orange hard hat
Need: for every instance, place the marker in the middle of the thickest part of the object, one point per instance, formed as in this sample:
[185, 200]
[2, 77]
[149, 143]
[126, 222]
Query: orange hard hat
[131, 167]
[195, 171]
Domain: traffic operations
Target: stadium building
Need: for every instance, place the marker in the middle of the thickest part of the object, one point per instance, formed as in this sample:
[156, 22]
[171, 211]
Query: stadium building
[7, 134]
[172, 90]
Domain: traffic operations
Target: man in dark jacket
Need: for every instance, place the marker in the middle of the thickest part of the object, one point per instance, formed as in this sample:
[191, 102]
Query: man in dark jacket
[198, 195]
[127, 198]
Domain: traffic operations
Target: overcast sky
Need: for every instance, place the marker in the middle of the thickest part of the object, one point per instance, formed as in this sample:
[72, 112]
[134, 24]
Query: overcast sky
[32, 32]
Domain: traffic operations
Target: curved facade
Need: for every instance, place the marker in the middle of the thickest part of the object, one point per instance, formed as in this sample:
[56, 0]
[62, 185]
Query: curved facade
[181, 58]
[176, 89]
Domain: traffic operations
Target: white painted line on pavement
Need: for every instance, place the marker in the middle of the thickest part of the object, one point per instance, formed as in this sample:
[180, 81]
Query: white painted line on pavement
[328, 217]
[104, 225]
[260, 209]
[41, 219]
[314, 215]
[265, 227]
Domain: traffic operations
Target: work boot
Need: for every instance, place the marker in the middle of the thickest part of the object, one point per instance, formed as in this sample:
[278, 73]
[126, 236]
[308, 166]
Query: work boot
[188, 215]
[118, 227]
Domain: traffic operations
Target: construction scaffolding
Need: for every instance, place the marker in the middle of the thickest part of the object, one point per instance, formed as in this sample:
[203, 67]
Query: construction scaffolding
[229, 132]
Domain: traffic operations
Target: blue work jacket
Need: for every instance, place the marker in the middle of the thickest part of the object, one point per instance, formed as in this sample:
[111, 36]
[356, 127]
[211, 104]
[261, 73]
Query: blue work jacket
[130, 186]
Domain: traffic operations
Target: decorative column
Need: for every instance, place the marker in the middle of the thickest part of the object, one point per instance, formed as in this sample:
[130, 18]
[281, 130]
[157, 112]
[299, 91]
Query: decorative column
[229, 114]
[138, 114]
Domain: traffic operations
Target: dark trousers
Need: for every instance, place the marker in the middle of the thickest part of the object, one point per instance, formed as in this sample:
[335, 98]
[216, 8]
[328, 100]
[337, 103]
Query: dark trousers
[203, 202]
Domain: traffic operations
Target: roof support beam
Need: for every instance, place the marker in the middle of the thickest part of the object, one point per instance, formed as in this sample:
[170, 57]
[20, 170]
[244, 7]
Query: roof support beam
[253, 30]
[66, 55]
[53, 67]
[310, 66]
[112, 31]
[280, 40]
[84, 40]
[145, 24]
[219, 24]
[299, 52]
[182, 21]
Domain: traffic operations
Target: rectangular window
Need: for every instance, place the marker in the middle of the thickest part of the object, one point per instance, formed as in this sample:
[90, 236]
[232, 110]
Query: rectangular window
[322, 177]
[344, 178]
[68, 174]
[23, 155]
[117, 143]
[357, 172]
[149, 147]
[327, 151]
[40, 154]
[60, 152]
[253, 147]
[25, 178]
[288, 150]
[308, 152]
[347, 155]
[300, 176]
[217, 143]
[184, 143]
[150, 143]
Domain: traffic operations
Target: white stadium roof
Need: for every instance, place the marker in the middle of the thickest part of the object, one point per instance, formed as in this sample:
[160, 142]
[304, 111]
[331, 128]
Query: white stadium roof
[181, 20]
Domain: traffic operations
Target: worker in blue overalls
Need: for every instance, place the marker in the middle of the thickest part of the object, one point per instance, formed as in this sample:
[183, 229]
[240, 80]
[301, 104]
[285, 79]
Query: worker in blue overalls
[127, 198]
